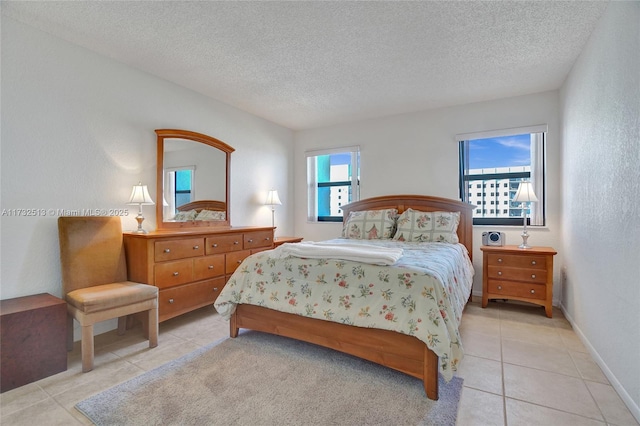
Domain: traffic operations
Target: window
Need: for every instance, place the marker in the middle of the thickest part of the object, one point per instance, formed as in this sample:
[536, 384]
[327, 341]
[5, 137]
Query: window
[504, 159]
[333, 179]
[179, 186]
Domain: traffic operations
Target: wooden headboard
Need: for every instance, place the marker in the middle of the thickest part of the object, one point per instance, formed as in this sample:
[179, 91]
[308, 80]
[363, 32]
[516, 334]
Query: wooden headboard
[204, 205]
[423, 203]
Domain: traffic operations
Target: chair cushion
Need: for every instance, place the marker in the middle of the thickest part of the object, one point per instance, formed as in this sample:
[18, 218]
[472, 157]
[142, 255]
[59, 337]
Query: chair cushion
[109, 296]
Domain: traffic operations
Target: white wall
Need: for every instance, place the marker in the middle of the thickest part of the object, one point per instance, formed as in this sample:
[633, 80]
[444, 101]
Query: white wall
[78, 132]
[600, 107]
[418, 154]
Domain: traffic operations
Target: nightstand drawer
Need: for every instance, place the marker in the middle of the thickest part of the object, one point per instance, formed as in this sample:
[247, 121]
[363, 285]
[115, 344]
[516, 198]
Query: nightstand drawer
[518, 274]
[517, 261]
[523, 290]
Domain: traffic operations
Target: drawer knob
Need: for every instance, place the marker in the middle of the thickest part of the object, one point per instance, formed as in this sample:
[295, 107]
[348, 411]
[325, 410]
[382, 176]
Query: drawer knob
[250, 241]
[499, 272]
[214, 245]
[167, 250]
[533, 276]
[175, 274]
[499, 287]
[533, 262]
[170, 300]
[239, 262]
[267, 239]
[235, 242]
[210, 266]
[196, 247]
[533, 291]
[500, 259]
[215, 289]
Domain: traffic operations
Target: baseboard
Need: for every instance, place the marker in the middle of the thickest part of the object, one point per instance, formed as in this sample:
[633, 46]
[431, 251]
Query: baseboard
[626, 398]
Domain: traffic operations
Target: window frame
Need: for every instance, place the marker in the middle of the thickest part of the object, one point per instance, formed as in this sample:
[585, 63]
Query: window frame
[170, 186]
[537, 174]
[313, 185]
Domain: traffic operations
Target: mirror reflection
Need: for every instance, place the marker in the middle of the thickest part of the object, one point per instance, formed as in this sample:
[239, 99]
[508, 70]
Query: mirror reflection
[192, 171]
[192, 180]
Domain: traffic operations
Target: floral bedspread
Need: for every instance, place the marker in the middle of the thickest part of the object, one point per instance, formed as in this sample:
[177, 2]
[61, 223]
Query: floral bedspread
[422, 294]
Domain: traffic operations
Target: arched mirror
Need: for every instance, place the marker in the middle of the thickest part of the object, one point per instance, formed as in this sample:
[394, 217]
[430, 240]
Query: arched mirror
[192, 180]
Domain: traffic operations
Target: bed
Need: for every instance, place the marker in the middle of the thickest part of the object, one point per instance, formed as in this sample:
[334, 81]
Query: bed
[201, 210]
[403, 345]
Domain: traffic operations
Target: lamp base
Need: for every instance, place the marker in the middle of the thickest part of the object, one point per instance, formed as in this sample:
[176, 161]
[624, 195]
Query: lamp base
[140, 219]
[525, 237]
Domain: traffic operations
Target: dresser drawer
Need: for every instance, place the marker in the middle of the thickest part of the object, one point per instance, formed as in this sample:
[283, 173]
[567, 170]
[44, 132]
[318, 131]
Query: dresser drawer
[189, 265]
[175, 301]
[208, 267]
[522, 290]
[234, 260]
[518, 274]
[224, 243]
[178, 249]
[169, 274]
[517, 261]
[254, 240]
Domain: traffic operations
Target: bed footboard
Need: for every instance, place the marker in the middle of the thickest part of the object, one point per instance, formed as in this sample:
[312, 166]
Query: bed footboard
[401, 352]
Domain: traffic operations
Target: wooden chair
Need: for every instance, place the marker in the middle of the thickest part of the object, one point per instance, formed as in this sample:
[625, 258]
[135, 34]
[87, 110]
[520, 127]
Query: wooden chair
[94, 280]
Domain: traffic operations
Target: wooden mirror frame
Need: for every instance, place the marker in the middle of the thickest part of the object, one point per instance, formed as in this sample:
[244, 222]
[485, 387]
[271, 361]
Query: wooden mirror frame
[163, 134]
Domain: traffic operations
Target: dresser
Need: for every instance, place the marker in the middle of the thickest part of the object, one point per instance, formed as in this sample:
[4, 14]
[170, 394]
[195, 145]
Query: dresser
[510, 272]
[190, 267]
[285, 240]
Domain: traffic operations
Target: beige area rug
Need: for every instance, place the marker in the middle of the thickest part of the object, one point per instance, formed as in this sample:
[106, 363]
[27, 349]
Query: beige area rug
[261, 379]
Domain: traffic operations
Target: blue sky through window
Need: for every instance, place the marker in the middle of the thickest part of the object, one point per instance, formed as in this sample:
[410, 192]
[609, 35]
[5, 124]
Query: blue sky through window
[506, 151]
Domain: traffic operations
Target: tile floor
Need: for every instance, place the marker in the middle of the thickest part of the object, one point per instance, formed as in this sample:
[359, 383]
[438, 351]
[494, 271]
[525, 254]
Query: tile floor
[521, 368]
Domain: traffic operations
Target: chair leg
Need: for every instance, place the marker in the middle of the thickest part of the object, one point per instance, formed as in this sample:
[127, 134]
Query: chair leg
[144, 319]
[87, 348]
[69, 333]
[153, 327]
[122, 325]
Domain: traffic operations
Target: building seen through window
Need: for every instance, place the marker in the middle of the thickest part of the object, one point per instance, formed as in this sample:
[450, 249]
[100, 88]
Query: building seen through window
[333, 181]
[491, 169]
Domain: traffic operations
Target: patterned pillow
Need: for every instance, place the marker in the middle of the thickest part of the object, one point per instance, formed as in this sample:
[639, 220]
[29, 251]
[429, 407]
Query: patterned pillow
[183, 216]
[417, 226]
[370, 224]
[210, 215]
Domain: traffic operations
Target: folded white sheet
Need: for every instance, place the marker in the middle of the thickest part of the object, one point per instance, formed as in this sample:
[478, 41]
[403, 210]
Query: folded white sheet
[356, 252]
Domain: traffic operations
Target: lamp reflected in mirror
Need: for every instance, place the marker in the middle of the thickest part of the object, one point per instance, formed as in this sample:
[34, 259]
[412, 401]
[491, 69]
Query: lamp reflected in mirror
[140, 196]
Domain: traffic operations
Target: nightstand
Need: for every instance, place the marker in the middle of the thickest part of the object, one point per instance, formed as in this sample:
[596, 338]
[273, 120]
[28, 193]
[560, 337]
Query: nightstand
[33, 334]
[281, 240]
[510, 272]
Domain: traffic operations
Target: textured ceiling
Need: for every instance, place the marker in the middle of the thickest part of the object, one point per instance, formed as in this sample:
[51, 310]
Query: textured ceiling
[311, 64]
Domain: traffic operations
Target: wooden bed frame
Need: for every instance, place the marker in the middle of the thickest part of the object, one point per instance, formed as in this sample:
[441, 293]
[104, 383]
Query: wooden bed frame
[204, 205]
[399, 351]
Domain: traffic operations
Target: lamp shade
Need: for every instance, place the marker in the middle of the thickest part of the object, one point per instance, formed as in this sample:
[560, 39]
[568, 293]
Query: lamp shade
[140, 195]
[525, 193]
[273, 199]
